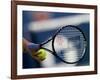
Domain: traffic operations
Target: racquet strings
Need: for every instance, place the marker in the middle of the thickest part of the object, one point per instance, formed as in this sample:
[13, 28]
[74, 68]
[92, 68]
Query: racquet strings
[69, 44]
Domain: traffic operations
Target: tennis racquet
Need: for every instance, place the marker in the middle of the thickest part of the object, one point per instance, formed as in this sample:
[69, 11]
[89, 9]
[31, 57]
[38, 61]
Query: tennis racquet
[68, 44]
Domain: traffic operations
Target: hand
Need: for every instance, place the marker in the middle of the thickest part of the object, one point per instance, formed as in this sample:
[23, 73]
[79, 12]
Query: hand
[40, 54]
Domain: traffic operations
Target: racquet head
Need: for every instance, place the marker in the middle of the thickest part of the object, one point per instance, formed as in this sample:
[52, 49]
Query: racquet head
[69, 44]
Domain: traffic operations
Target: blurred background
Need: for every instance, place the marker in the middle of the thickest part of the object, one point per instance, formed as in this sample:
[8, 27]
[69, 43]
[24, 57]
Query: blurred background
[38, 26]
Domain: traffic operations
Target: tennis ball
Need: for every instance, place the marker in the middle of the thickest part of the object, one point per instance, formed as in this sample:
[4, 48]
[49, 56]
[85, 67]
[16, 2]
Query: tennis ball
[41, 54]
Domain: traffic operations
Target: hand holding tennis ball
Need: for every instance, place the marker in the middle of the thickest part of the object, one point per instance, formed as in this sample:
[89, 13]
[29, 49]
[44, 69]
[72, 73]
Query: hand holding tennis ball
[41, 54]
